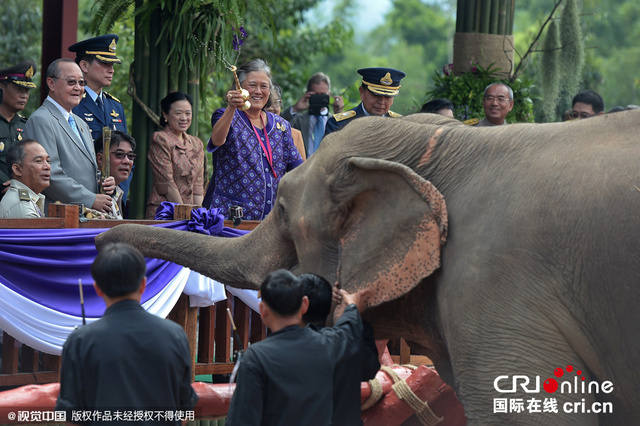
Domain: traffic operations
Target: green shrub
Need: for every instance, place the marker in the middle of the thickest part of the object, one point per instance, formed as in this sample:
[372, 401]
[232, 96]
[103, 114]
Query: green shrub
[466, 92]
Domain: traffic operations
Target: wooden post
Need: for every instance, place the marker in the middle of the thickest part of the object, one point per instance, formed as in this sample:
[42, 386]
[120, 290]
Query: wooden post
[182, 313]
[70, 214]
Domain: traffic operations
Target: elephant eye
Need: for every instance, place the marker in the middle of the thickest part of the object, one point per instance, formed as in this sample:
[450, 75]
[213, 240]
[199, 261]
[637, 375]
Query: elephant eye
[282, 213]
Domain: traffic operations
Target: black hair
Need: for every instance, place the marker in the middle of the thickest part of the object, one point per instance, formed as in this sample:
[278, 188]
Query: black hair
[85, 57]
[590, 97]
[435, 105]
[16, 154]
[167, 101]
[117, 136]
[118, 269]
[282, 292]
[617, 109]
[319, 292]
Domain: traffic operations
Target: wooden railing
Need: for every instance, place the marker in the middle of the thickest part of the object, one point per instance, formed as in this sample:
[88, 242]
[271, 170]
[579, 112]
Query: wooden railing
[212, 341]
[208, 329]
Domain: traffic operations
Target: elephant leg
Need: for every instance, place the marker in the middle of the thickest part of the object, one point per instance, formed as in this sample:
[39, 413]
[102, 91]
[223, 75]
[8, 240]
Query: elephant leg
[501, 369]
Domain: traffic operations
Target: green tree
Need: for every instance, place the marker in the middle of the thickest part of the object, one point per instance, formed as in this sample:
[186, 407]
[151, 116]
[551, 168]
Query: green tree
[21, 36]
[415, 38]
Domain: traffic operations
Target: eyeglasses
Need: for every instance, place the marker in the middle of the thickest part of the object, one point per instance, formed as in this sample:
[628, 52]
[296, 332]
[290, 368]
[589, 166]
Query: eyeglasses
[120, 154]
[501, 99]
[278, 102]
[72, 82]
[576, 114]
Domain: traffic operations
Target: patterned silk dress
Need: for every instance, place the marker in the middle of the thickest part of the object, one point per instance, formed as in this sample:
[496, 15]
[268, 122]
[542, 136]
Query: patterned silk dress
[175, 164]
[247, 169]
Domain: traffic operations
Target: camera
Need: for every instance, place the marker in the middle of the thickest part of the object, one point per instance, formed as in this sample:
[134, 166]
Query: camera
[317, 103]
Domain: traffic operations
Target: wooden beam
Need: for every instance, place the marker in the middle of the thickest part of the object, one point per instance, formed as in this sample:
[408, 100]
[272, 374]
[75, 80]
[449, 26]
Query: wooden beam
[59, 31]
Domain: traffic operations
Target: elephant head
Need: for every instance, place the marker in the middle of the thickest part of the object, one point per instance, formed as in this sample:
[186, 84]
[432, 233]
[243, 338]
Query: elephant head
[366, 221]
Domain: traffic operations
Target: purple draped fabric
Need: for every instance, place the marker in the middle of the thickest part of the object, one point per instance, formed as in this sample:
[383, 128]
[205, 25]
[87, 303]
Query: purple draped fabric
[44, 265]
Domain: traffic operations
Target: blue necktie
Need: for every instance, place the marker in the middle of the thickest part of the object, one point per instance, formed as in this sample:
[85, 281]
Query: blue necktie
[100, 105]
[74, 127]
[318, 133]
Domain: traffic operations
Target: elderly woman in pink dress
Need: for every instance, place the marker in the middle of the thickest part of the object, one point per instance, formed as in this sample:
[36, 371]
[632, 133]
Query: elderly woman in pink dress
[176, 158]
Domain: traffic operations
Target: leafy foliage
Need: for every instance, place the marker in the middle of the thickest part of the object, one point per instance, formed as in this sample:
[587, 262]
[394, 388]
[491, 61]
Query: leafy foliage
[202, 34]
[550, 72]
[572, 58]
[21, 36]
[466, 92]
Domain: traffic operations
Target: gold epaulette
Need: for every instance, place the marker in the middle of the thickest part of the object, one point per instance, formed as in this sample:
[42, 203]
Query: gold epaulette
[24, 195]
[471, 121]
[344, 115]
[394, 114]
[110, 96]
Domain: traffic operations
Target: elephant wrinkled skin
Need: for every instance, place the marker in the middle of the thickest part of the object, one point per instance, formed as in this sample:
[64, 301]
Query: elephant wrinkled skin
[540, 269]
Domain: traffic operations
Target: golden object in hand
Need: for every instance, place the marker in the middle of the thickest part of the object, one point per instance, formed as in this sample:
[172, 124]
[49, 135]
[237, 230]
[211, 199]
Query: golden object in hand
[245, 93]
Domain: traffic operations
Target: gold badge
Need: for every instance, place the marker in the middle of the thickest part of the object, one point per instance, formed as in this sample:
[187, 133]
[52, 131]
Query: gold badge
[114, 113]
[1, 146]
[112, 46]
[19, 136]
[387, 80]
[29, 73]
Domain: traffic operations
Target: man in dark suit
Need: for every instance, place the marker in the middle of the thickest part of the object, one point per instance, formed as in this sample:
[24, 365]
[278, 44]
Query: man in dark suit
[378, 89]
[67, 139]
[96, 58]
[128, 360]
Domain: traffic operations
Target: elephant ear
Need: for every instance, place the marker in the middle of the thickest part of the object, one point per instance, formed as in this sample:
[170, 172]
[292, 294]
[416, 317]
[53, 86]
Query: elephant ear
[392, 232]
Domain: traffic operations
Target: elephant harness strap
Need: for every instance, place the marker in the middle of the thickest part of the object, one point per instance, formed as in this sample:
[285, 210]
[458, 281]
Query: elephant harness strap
[424, 413]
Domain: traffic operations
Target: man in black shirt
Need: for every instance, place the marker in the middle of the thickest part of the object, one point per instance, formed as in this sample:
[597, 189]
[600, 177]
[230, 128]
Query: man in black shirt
[130, 365]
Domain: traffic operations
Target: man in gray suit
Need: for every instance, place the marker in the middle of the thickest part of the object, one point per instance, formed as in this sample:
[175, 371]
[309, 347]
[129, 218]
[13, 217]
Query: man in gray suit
[311, 123]
[67, 139]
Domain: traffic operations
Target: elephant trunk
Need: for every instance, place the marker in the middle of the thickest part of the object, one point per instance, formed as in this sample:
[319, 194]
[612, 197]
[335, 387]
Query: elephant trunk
[241, 262]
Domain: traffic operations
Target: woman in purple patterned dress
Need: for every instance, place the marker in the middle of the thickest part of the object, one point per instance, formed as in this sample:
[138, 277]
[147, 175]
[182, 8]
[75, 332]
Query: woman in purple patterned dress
[176, 158]
[251, 149]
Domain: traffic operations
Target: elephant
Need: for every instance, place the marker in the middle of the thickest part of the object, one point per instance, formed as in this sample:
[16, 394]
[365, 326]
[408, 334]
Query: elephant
[509, 255]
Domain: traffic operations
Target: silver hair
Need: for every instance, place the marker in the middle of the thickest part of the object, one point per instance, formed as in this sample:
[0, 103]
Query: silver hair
[53, 70]
[255, 65]
[318, 78]
[499, 84]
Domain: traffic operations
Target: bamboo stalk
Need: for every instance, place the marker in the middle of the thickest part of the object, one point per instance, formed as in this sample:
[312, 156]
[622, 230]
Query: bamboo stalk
[495, 16]
[485, 16]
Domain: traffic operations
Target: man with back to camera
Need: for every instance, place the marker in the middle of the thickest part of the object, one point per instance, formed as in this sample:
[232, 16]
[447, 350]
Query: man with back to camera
[15, 83]
[497, 102]
[586, 104]
[29, 171]
[312, 119]
[353, 370]
[67, 140]
[128, 360]
[378, 89]
[287, 379]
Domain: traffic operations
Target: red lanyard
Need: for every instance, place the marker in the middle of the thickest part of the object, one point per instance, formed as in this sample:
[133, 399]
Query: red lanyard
[266, 149]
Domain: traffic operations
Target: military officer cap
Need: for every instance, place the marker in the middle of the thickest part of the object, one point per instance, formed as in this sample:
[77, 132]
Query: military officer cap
[382, 81]
[20, 74]
[102, 48]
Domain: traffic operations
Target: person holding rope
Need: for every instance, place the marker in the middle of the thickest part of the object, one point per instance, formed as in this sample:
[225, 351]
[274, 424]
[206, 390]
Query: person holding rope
[287, 379]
